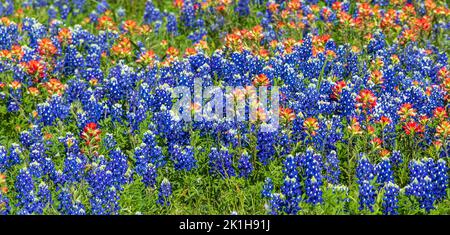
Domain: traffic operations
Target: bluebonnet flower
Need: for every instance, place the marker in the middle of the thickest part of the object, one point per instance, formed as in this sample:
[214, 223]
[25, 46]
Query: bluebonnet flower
[267, 189]
[68, 205]
[142, 158]
[151, 13]
[220, 163]
[290, 166]
[291, 189]
[172, 27]
[73, 60]
[135, 118]
[390, 199]
[428, 198]
[78, 6]
[265, 146]
[117, 113]
[5, 208]
[197, 35]
[14, 155]
[276, 204]
[285, 142]
[3, 159]
[365, 174]
[64, 11]
[242, 8]
[396, 158]
[384, 172]
[93, 58]
[245, 166]
[332, 168]
[376, 43]
[149, 177]
[74, 166]
[120, 12]
[70, 143]
[365, 169]
[109, 141]
[231, 138]
[75, 89]
[417, 170]
[313, 191]
[156, 26]
[15, 97]
[104, 199]
[366, 195]
[93, 17]
[52, 13]
[188, 13]
[162, 96]
[26, 196]
[118, 165]
[421, 185]
[341, 192]
[165, 191]
[45, 195]
[183, 158]
[94, 109]
[53, 109]
[441, 179]
[58, 178]
[25, 139]
[38, 155]
[153, 150]
[35, 169]
[163, 121]
[8, 7]
[314, 179]
[102, 7]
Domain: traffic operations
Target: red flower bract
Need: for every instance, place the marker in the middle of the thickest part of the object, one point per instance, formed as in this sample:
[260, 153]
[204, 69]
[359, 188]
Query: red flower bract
[413, 127]
[337, 90]
[366, 99]
[91, 134]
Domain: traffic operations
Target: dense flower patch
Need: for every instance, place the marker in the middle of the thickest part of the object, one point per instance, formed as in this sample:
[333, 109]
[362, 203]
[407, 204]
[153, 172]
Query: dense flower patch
[88, 122]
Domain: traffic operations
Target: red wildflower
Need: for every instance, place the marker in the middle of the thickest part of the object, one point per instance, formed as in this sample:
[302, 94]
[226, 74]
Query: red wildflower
[46, 47]
[376, 142]
[376, 77]
[443, 129]
[407, 111]
[443, 73]
[122, 48]
[3, 189]
[337, 90]
[354, 127]
[15, 85]
[440, 113]
[287, 115]
[91, 134]
[35, 68]
[54, 86]
[261, 80]
[33, 91]
[172, 51]
[147, 58]
[65, 36]
[384, 153]
[384, 121]
[311, 125]
[413, 127]
[366, 99]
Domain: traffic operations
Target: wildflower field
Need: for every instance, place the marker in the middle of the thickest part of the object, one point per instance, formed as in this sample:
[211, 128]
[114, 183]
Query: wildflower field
[224, 107]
